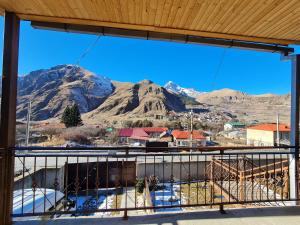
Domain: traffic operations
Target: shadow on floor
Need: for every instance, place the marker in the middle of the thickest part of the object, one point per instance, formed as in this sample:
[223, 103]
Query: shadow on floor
[271, 215]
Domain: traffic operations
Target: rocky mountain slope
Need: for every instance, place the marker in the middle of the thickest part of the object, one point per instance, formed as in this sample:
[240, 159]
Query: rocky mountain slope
[137, 100]
[263, 108]
[51, 90]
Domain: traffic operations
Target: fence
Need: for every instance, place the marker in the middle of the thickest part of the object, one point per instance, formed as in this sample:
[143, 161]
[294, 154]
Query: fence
[86, 181]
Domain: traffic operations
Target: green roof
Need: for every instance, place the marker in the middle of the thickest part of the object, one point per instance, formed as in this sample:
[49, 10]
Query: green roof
[236, 123]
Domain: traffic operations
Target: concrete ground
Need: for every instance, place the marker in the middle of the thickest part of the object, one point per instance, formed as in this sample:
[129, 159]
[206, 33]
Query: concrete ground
[258, 216]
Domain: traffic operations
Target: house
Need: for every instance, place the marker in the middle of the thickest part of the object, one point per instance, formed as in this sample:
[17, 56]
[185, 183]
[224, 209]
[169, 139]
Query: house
[233, 125]
[133, 136]
[183, 138]
[154, 132]
[266, 134]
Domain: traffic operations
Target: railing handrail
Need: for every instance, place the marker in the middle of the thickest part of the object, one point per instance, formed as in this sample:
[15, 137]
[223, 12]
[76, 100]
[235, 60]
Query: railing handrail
[129, 148]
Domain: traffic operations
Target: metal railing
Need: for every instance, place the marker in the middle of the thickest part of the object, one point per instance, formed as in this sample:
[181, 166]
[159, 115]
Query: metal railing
[109, 180]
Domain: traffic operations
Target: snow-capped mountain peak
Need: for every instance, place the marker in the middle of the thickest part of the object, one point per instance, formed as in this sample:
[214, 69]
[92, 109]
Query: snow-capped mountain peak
[175, 88]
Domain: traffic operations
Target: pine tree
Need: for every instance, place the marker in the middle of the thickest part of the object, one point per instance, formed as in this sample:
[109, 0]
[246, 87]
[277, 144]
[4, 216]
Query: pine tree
[71, 116]
[75, 116]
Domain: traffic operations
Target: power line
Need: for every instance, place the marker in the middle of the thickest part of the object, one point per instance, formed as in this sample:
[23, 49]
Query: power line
[89, 48]
[214, 80]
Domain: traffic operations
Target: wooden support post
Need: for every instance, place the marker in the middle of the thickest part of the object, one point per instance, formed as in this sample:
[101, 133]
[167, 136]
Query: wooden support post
[8, 114]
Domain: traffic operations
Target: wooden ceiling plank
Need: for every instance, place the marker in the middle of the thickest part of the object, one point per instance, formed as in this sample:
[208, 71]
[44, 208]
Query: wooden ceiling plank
[222, 9]
[237, 6]
[156, 29]
[152, 7]
[244, 16]
[219, 8]
[172, 13]
[271, 19]
[131, 11]
[222, 17]
[286, 22]
[205, 15]
[235, 16]
[260, 14]
[194, 14]
[165, 13]
[123, 4]
[288, 29]
[187, 7]
[159, 12]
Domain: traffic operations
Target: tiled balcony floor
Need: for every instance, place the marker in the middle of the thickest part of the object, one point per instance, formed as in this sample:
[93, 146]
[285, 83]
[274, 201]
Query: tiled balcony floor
[260, 216]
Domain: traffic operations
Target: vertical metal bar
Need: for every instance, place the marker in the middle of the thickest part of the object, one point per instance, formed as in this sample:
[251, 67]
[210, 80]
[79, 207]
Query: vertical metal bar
[107, 174]
[34, 185]
[23, 176]
[180, 178]
[87, 181]
[189, 179]
[294, 134]
[274, 181]
[145, 170]
[229, 179]
[66, 180]
[172, 176]
[125, 217]
[237, 177]
[135, 187]
[197, 185]
[163, 171]
[77, 183]
[260, 185]
[45, 187]
[97, 179]
[8, 114]
[55, 183]
[252, 179]
[267, 176]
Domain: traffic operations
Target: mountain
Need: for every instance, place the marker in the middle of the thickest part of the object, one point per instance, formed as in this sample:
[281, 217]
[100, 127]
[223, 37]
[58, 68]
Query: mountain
[51, 90]
[137, 100]
[263, 108]
[225, 94]
[100, 99]
[175, 88]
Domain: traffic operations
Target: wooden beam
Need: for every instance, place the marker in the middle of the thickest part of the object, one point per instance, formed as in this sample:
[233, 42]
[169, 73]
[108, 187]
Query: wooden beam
[154, 28]
[8, 114]
[153, 35]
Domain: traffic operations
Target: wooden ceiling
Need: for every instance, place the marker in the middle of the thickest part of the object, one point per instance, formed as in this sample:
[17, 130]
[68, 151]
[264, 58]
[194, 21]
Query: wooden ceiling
[268, 21]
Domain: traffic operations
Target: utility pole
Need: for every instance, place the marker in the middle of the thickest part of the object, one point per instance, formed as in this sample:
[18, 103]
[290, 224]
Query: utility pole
[28, 123]
[277, 128]
[191, 127]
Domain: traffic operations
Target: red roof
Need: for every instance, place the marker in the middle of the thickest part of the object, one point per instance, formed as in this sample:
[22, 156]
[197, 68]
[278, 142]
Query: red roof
[128, 132]
[155, 129]
[139, 138]
[196, 135]
[270, 127]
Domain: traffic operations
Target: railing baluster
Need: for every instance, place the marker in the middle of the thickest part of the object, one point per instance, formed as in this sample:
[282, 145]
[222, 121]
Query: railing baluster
[34, 185]
[45, 185]
[23, 176]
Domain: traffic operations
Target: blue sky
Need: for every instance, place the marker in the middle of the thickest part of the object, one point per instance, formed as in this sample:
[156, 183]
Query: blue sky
[134, 60]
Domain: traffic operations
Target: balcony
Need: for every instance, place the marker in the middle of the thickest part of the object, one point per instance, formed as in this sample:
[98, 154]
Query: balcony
[138, 184]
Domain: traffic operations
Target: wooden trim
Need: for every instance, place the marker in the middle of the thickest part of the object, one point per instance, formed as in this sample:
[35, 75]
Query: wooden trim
[40, 18]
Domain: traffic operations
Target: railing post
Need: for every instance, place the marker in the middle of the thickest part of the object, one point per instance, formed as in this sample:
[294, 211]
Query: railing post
[8, 114]
[294, 134]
